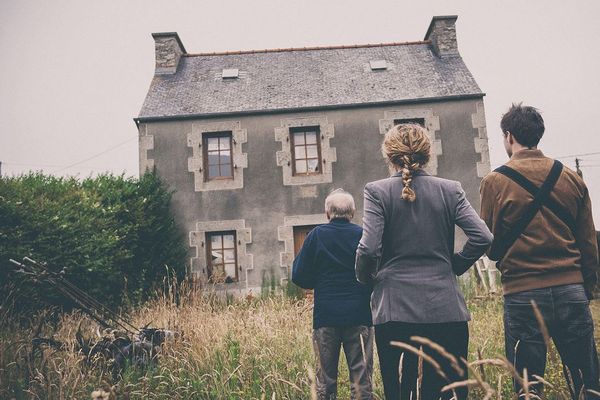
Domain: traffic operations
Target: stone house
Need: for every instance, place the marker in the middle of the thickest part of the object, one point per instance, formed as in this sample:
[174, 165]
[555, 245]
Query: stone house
[252, 142]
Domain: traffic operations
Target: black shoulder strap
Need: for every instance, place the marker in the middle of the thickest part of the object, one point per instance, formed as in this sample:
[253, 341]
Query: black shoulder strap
[558, 209]
[501, 245]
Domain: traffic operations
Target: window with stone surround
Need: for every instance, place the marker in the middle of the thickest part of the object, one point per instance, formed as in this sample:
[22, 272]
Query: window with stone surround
[306, 150]
[218, 160]
[198, 162]
[202, 259]
[221, 257]
[300, 137]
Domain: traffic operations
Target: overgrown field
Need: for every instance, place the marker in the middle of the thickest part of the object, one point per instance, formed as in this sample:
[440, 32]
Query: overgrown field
[252, 348]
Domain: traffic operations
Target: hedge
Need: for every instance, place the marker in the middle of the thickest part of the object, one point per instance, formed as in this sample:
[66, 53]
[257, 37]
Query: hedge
[115, 237]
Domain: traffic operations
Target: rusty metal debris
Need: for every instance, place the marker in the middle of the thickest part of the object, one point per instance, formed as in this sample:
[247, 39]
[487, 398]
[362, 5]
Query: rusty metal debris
[119, 342]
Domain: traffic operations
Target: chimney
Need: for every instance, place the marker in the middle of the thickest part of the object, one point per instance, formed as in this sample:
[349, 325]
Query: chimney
[168, 50]
[442, 33]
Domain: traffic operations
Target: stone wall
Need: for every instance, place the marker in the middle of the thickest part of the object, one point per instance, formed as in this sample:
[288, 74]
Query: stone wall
[269, 207]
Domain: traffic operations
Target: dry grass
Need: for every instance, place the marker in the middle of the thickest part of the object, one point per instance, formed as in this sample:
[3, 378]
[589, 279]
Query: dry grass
[247, 349]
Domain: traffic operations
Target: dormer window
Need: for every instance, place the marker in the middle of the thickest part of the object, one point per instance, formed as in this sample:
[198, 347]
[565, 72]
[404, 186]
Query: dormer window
[378, 65]
[230, 73]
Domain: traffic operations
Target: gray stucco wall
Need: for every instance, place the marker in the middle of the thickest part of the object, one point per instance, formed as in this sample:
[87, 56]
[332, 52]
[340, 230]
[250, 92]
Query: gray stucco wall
[264, 202]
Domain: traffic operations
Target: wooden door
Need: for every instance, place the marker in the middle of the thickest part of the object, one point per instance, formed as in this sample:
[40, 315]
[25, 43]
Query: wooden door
[300, 233]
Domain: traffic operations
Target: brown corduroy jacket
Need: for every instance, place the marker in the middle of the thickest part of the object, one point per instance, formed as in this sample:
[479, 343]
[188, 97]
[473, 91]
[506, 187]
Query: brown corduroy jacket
[548, 253]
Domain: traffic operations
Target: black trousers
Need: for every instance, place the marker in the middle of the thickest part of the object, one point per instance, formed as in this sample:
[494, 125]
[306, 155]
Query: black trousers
[453, 336]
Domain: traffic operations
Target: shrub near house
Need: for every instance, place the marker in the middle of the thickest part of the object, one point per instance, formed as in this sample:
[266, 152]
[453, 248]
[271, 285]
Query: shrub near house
[113, 235]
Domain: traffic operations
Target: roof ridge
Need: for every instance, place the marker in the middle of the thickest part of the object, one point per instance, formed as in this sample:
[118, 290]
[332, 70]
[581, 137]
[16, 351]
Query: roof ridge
[292, 49]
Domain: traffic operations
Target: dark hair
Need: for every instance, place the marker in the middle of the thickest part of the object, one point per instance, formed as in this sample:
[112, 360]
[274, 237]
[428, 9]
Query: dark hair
[525, 124]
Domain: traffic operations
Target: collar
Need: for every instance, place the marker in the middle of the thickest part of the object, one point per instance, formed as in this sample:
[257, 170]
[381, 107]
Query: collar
[339, 221]
[419, 172]
[527, 153]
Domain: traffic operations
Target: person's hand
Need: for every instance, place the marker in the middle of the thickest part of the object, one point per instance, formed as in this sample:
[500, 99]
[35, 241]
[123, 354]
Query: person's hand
[366, 269]
[590, 280]
[460, 264]
[589, 291]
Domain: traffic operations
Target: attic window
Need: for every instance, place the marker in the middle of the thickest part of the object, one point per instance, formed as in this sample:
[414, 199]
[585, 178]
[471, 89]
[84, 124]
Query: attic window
[378, 65]
[230, 73]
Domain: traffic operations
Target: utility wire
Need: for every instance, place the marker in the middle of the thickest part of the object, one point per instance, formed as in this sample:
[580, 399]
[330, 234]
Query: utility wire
[579, 155]
[43, 165]
[32, 165]
[567, 156]
[96, 155]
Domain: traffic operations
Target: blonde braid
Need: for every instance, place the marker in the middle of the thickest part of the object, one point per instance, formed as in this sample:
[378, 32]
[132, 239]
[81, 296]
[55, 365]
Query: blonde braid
[407, 192]
[406, 148]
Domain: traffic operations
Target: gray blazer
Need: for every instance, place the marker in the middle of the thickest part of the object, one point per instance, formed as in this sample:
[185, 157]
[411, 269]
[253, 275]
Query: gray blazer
[406, 250]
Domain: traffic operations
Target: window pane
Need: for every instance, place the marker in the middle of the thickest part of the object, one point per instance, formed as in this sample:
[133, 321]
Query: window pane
[213, 171]
[228, 241]
[230, 270]
[213, 143]
[301, 167]
[298, 138]
[311, 137]
[216, 257]
[216, 241]
[313, 165]
[225, 157]
[311, 151]
[213, 158]
[229, 256]
[224, 143]
[226, 170]
[299, 152]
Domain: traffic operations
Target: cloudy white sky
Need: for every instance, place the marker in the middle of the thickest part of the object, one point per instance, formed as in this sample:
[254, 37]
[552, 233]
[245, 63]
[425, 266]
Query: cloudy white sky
[74, 73]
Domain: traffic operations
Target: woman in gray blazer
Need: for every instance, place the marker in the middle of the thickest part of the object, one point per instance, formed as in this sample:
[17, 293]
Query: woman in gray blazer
[407, 253]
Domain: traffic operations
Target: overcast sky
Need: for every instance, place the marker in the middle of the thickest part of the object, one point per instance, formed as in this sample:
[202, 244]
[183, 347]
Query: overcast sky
[73, 74]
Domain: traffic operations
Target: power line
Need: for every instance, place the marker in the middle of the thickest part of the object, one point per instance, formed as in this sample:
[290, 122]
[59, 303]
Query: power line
[567, 156]
[33, 165]
[46, 165]
[580, 155]
[96, 155]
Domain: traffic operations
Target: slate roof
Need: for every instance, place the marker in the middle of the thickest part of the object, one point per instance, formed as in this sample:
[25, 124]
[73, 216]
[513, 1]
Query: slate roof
[306, 78]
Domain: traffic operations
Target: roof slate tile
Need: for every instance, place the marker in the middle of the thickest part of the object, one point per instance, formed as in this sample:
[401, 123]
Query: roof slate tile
[306, 79]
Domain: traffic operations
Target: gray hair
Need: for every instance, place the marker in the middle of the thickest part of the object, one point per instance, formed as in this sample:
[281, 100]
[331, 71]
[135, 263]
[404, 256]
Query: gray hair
[340, 204]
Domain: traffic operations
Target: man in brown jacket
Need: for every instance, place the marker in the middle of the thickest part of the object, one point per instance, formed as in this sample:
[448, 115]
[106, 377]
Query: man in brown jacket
[545, 243]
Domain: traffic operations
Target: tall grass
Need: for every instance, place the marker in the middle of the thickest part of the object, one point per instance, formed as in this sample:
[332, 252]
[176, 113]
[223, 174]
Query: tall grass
[251, 348]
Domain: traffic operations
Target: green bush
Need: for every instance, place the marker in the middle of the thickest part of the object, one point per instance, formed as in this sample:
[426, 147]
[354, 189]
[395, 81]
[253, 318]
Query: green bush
[114, 236]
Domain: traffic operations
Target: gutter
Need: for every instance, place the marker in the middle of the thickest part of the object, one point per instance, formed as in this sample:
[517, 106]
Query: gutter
[164, 118]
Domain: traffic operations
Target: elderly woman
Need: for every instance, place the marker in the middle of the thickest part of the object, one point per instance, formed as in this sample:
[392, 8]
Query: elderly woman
[406, 253]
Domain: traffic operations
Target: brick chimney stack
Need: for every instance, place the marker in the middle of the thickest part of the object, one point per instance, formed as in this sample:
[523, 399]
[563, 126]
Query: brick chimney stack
[442, 33]
[168, 50]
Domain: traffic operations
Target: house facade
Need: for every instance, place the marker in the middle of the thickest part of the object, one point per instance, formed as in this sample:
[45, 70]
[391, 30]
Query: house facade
[252, 142]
